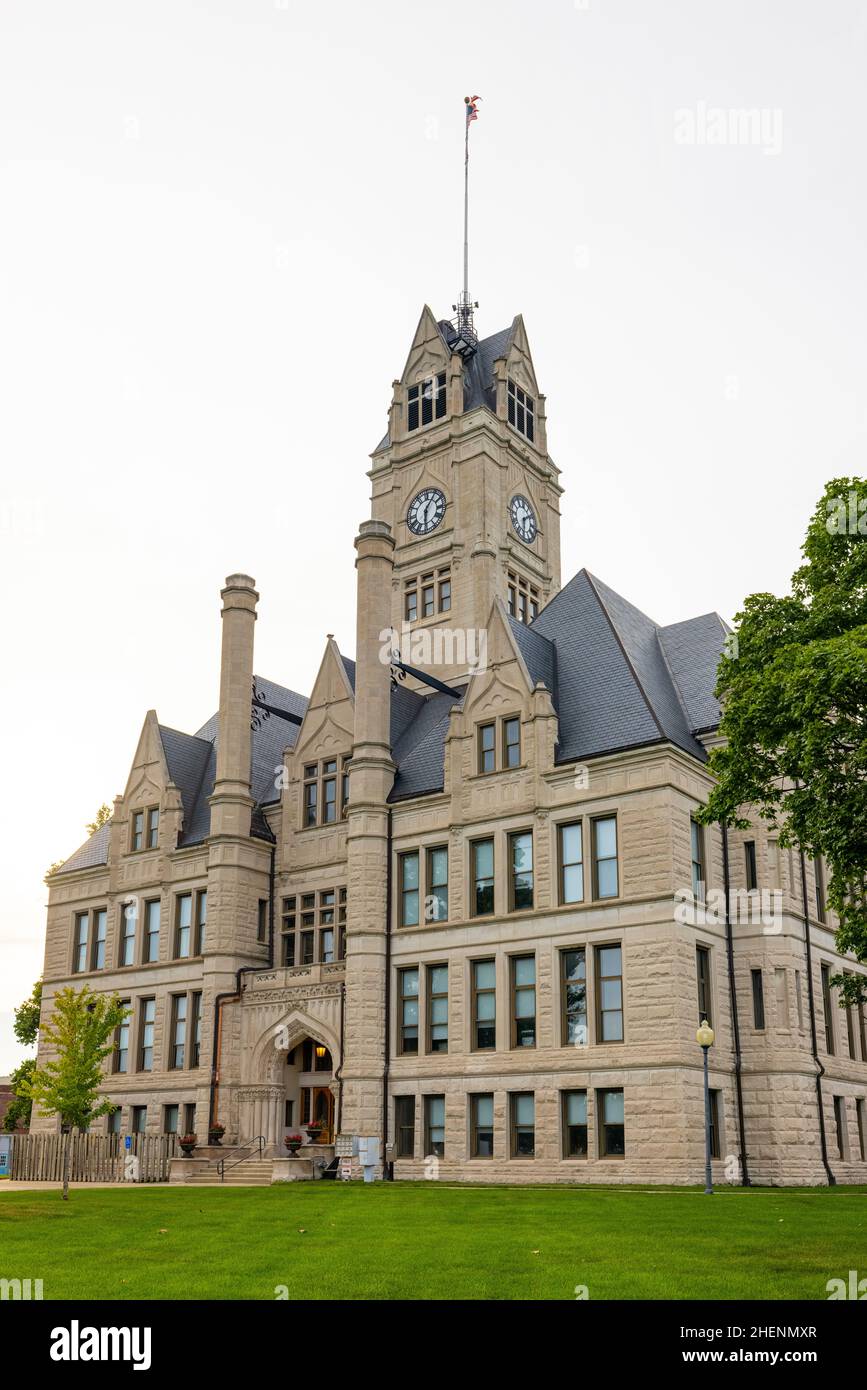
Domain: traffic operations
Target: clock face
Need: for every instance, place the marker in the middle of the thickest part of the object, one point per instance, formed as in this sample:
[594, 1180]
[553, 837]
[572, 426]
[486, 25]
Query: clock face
[426, 511]
[523, 519]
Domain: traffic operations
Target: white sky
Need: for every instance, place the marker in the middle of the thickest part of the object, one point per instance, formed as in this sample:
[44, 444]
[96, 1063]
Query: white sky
[220, 223]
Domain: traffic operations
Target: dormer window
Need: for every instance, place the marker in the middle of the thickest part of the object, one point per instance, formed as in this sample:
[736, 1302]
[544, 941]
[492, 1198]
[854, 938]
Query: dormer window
[522, 411]
[426, 401]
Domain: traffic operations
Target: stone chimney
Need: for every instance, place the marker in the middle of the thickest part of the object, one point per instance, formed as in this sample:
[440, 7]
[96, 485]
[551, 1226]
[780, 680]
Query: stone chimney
[370, 781]
[232, 802]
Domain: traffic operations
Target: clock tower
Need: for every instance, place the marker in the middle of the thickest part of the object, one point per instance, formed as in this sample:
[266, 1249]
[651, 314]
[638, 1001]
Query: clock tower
[464, 480]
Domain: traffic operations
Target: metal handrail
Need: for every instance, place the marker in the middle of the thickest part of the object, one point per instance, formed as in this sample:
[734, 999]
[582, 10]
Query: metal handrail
[222, 1165]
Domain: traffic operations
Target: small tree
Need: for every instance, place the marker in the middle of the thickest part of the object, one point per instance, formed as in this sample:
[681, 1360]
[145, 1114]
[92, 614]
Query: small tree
[19, 1108]
[80, 1033]
[103, 816]
[26, 1022]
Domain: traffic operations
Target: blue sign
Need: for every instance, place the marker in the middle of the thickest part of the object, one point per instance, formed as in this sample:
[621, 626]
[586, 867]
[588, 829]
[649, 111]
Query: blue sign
[127, 1142]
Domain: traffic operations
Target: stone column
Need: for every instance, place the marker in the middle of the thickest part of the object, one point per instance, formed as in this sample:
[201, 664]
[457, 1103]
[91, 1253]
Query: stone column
[231, 802]
[371, 779]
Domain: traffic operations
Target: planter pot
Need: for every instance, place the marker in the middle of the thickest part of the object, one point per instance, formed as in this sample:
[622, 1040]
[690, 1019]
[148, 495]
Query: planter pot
[313, 1136]
[293, 1149]
[188, 1150]
[215, 1138]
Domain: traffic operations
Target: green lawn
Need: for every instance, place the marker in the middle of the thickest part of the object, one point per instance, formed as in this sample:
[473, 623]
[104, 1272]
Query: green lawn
[429, 1240]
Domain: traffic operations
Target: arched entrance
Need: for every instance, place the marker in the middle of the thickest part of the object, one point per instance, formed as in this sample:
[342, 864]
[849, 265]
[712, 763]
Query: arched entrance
[293, 1065]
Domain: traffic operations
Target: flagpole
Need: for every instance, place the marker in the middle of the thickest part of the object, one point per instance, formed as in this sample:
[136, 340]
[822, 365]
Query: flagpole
[467, 205]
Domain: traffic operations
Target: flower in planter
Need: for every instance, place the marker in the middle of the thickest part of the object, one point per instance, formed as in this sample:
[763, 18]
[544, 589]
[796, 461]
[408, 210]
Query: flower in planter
[293, 1141]
[188, 1139]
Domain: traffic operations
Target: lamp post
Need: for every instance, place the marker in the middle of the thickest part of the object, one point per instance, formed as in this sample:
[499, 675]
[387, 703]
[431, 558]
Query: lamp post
[704, 1038]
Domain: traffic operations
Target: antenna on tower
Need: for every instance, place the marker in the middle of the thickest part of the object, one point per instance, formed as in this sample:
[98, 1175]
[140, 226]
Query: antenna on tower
[467, 337]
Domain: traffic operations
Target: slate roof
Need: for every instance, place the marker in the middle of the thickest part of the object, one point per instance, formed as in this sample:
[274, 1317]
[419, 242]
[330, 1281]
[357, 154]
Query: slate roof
[617, 680]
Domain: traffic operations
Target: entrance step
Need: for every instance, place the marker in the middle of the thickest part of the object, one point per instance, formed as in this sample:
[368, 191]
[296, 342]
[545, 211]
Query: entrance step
[252, 1172]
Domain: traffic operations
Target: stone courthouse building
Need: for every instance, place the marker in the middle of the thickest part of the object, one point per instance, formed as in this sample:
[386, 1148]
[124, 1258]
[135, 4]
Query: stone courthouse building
[465, 907]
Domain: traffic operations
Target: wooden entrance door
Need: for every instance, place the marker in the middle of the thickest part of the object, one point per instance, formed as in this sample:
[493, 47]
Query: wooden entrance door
[323, 1109]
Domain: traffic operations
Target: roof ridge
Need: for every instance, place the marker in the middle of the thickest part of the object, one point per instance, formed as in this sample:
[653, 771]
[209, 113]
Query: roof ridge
[626, 657]
[170, 729]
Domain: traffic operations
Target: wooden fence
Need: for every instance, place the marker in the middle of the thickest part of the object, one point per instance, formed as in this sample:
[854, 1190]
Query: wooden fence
[94, 1157]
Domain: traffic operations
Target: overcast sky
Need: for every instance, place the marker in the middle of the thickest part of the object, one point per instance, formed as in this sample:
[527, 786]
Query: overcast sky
[220, 222]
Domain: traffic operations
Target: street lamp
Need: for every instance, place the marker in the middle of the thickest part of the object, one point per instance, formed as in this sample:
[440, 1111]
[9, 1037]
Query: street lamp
[704, 1038]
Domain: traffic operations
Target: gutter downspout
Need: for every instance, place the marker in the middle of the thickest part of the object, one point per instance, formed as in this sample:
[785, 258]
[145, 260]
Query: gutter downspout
[820, 1070]
[338, 1075]
[733, 998]
[387, 1009]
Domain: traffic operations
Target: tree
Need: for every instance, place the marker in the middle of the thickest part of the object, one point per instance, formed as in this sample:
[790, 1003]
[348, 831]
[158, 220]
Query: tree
[19, 1108]
[80, 1034]
[26, 1022]
[793, 689]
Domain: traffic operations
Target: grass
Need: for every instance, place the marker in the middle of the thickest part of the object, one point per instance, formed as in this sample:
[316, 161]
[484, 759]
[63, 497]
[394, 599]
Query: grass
[431, 1241]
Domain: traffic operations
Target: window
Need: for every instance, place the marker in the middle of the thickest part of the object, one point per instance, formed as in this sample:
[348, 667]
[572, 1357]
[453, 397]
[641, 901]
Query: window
[574, 995]
[487, 748]
[152, 931]
[697, 842]
[287, 932]
[153, 827]
[862, 1029]
[828, 1010]
[427, 594]
[128, 922]
[571, 863]
[523, 1001]
[861, 1113]
[183, 925]
[481, 1126]
[137, 831]
[410, 609]
[113, 1121]
[521, 410]
[196, 1030]
[321, 803]
[750, 860]
[435, 1126]
[523, 1116]
[850, 1029]
[190, 1118]
[179, 1032]
[438, 1008]
[262, 920]
[713, 1097]
[139, 1119]
[426, 401]
[317, 932]
[609, 994]
[819, 870]
[428, 599]
[409, 889]
[437, 895]
[170, 1119]
[523, 598]
[201, 919]
[100, 918]
[408, 1041]
[147, 1016]
[121, 1043]
[79, 949]
[482, 853]
[574, 1124]
[612, 1136]
[605, 875]
[509, 745]
[484, 1005]
[521, 876]
[840, 1125]
[758, 999]
[404, 1126]
[702, 971]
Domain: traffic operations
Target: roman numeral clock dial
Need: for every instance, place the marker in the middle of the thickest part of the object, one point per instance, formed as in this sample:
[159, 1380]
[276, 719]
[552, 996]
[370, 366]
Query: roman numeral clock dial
[523, 519]
[426, 511]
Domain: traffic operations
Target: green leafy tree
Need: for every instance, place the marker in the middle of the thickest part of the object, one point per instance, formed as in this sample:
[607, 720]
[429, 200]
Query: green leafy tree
[18, 1110]
[793, 688]
[26, 1021]
[79, 1035]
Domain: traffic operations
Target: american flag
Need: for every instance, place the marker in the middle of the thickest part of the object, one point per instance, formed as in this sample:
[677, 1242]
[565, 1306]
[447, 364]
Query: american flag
[472, 109]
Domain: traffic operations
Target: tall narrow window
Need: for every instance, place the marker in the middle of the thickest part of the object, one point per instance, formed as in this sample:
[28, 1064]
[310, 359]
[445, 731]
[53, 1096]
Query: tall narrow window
[819, 870]
[114, 1120]
[484, 1005]
[605, 876]
[170, 1119]
[523, 1116]
[437, 886]
[702, 970]
[482, 852]
[153, 828]
[523, 1001]
[196, 1029]
[698, 872]
[520, 410]
[511, 743]
[435, 1126]
[750, 864]
[128, 922]
[409, 889]
[850, 1030]
[713, 1097]
[612, 1133]
[79, 950]
[121, 1042]
[137, 830]
[262, 920]
[862, 1030]
[571, 858]
[861, 1112]
[179, 1031]
[573, 970]
[183, 925]
[100, 919]
[758, 999]
[438, 1008]
[574, 1124]
[828, 1009]
[840, 1126]
[481, 1126]
[426, 401]
[609, 994]
[404, 1126]
[201, 920]
[521, 861]
[152, 931]
[139, 1119]
[408, 1041]
[487, 747]
[148, 1008]
[311, 794]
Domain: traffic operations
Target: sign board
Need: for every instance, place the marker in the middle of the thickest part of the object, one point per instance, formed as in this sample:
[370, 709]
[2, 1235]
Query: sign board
[127, 1141]
[345, 1169]
[5, 1155]
[345, 1146]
